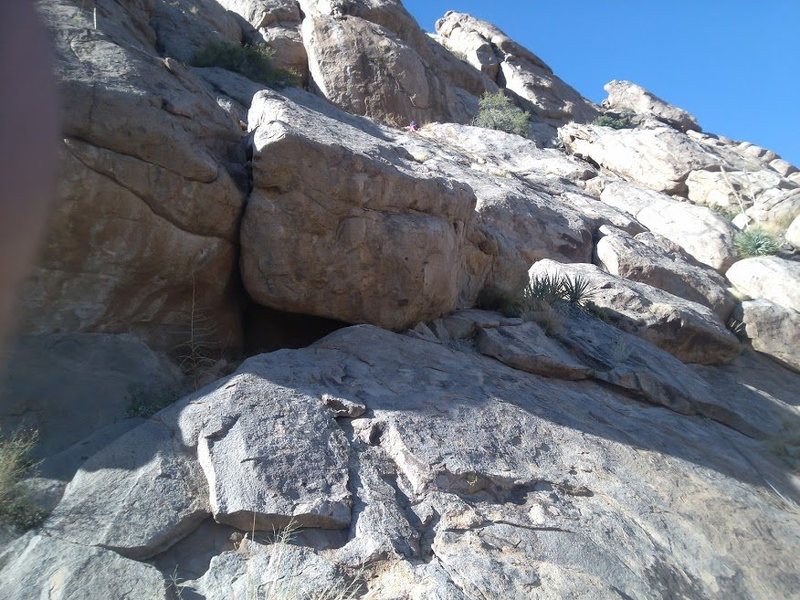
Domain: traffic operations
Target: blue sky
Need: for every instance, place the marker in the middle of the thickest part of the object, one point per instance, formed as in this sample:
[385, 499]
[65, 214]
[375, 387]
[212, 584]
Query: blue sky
[734, 64]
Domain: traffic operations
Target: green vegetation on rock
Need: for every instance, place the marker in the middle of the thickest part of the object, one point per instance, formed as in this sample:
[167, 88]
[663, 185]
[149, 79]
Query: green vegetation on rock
[254, 62]
[498, 112]
[756, 242]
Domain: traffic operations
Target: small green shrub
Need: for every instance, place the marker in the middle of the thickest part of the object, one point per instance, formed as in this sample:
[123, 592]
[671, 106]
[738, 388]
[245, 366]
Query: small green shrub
[15, 462]
[621, 122]
[254, 62]
[492, 298]
[756, 242]
[145, 401]
[498, 112]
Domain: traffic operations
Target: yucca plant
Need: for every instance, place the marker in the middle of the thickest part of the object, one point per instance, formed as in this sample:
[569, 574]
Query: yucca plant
[577, 289]
[15, 463]
[756, 242]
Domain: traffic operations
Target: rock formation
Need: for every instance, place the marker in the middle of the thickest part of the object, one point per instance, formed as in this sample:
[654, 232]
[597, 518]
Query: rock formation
[466, 431]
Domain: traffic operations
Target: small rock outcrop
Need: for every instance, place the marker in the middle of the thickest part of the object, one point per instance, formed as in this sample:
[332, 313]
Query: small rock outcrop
[627, 97]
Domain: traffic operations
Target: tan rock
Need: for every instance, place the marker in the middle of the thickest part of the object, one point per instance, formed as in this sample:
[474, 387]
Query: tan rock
[368, 239]
[624, 96]
[730, 190]
[651, 259]
[770, 278]
[142, 234]
[551, 101]
[701, 232]
[659, 158]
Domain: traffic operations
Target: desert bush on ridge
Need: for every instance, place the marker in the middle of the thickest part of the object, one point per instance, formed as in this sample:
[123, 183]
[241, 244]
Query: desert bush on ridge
[498, 112]
[621, 122]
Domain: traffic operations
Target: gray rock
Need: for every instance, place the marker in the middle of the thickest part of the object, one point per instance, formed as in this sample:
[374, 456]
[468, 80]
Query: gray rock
[651, 259]
[793, 233]
[624, 96]
[42, 566]
[259, 475]
[527, 348]
[137, 496]
[688, 330]
[69, 385]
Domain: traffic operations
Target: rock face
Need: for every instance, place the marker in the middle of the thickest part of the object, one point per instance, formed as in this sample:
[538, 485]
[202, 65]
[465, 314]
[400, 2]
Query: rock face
[565, 453]
[469, 476]
[773, 330]
[654, 260]
[624, 96]
[688, 330]
[768, 277]
[659, 158]
[334, 244]
[39, 565]
[551, 101]
[66, 386]
[356, 47]
[141, 182]
[698, 230]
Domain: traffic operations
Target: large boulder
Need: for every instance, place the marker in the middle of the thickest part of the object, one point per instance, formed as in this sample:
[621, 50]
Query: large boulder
[69, 385]
[701, 232]
[624, 96]
[690, 331]
[142, 237]
[773, 330]
[735, 191]
[377, 239]
[769, 277]
[659, 158]
[654, 260]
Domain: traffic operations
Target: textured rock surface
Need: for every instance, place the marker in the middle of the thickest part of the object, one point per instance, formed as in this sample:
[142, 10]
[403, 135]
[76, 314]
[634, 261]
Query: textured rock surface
[527, 348]
[551, 101]
[372, 239]
[69, 385]
[769, 277]
[698, 230]
[141, 182]
[773, 330]
[137, 496]
[371, 58]
[659, 158]
[471, 477]
[654, 260]
[624, 96]
[793, 233]
[38, 566]
[688, 330]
